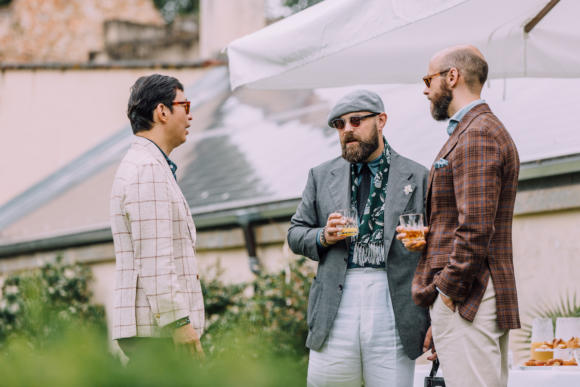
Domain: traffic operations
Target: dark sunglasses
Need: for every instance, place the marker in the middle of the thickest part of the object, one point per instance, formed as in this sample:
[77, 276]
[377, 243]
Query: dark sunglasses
[340, 123]
[186, 105]
[427, 78]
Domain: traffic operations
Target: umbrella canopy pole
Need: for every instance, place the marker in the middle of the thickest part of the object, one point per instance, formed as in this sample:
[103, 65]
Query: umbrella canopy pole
[532, 23]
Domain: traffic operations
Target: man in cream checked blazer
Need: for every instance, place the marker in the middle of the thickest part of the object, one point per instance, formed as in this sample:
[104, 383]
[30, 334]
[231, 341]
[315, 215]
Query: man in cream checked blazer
[158, 300]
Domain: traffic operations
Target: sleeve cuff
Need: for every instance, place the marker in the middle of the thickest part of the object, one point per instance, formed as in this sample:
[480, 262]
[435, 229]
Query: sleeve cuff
[440, 292]
[457, 293]
[318, 239]
[167, 318]
[181, 322]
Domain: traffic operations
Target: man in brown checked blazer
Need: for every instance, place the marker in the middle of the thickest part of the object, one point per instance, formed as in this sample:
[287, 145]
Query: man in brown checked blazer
[158, 298]
[466, 275]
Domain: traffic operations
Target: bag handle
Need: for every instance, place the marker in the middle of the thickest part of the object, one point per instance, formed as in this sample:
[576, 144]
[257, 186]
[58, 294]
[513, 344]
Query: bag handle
[434, 368]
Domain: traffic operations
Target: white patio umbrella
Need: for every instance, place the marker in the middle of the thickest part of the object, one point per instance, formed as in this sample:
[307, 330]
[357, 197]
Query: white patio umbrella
[349, 42]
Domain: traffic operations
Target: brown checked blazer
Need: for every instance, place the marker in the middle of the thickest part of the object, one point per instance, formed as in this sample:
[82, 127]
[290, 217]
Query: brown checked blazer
[157, 280]
[470, 202]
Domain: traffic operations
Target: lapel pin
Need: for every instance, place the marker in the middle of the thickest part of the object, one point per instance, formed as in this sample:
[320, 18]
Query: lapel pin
[408, 189]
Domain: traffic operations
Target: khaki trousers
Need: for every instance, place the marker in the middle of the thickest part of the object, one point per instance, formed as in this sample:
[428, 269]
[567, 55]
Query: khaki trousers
[471, 353]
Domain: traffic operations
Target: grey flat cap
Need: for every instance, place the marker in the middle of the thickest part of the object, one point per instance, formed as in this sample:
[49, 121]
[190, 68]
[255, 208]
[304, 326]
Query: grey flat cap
[357, 101]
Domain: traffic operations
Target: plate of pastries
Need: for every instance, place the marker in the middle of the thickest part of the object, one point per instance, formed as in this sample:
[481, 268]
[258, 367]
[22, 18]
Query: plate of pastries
[554, 353]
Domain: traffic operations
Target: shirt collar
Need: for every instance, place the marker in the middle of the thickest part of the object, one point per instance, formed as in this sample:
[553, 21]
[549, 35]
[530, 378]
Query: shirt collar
[373, 165]
[458, 116]
[171, 164]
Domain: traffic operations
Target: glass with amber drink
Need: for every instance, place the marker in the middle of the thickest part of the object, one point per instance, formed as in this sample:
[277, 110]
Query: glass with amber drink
[542, 339]
[413, 228]
[350, 228]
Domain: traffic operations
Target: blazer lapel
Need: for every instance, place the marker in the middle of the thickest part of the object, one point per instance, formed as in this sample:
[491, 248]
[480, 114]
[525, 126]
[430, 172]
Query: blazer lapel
[452, 141]
[339, 189]
[156, 153]
[447, 147]
[339, 186]
[183, 202]
[396, 198]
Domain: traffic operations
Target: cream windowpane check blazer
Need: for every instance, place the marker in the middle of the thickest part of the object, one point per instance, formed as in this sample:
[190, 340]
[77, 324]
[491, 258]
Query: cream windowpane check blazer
[157, 280]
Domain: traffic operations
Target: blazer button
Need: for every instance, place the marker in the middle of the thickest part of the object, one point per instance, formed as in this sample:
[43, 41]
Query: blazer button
[340, 287]
[157, 315]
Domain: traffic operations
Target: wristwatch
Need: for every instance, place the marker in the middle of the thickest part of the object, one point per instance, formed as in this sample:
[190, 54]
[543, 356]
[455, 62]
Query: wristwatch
[181, 322]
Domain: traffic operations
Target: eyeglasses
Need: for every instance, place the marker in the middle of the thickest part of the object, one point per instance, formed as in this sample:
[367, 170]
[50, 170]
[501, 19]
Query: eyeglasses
[186, 105]
[427, 78]
[340, 123]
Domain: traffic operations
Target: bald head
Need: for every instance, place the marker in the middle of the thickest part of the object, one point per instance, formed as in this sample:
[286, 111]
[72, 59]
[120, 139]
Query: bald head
[468, 60]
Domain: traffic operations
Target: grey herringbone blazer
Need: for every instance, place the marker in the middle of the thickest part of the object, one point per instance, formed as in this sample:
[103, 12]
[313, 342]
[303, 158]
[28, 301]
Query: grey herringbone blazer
[328, 189]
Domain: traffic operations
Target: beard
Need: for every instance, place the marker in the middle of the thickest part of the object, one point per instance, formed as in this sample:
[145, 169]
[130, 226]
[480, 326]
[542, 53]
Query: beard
[441, 101]
[360, 151]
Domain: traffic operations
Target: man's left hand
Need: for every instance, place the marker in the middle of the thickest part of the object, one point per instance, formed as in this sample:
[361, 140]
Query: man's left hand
[447, 301]
[187, 338]
[428, 343]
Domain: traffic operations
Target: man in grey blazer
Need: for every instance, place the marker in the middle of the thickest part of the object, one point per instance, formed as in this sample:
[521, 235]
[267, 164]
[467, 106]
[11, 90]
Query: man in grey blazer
[363, 324]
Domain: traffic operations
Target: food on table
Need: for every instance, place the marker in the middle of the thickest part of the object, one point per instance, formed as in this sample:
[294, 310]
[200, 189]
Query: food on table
[554, 353]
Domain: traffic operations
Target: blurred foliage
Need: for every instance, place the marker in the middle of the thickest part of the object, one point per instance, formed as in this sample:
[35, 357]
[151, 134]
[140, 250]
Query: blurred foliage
[272, 308]
[299, 5]
[52, 335]
[36, 305]
[170, 9]
[81, 358]
[5, 2]
[567, 306]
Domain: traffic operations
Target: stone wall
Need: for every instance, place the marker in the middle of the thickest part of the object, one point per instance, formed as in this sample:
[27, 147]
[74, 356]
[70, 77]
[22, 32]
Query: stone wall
[126, 40]
[64, 30]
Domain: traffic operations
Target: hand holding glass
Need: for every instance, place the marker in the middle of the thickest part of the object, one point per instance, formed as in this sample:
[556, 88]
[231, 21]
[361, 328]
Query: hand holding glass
[350, 228]
[413, 228]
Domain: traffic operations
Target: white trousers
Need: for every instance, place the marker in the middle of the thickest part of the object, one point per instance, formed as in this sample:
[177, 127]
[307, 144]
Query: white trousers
[474, 353]
[364, 342]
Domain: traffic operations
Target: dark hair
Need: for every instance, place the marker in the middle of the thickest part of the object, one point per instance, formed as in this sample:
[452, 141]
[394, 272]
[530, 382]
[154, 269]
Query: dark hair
[472, 66]
[146, 94]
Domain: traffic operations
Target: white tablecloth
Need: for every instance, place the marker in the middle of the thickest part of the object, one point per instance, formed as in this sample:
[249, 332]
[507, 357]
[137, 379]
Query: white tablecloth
[534, 377]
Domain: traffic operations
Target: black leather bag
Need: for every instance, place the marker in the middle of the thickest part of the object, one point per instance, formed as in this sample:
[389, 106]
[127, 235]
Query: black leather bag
[432, 380]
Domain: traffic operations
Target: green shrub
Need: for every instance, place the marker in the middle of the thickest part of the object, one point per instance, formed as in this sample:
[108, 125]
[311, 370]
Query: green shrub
[81, 358]
[39, 304]
[274, 311]
[55, 336]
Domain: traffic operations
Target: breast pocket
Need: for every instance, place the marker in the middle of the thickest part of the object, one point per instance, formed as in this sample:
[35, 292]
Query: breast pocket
[443, 172]
[442, 185]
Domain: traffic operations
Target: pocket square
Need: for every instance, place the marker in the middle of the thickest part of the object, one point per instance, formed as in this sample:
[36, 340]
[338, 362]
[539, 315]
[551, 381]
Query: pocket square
[440, 163]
